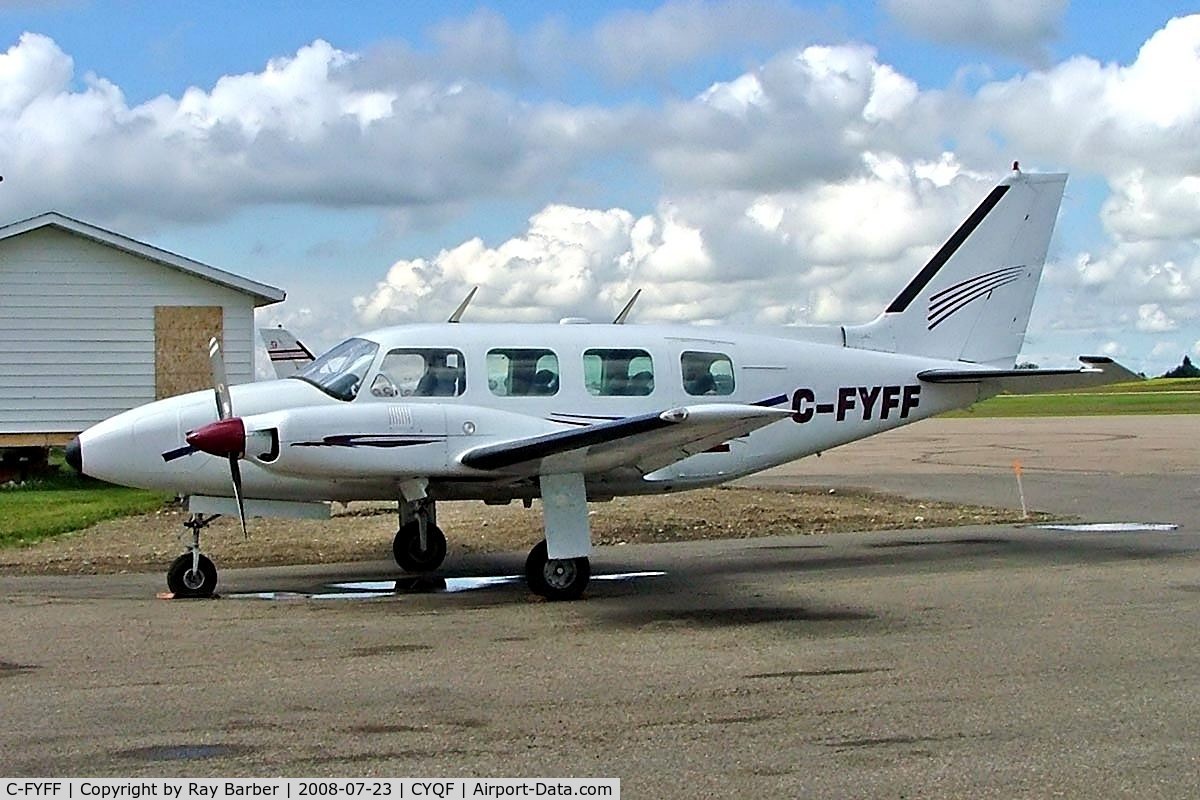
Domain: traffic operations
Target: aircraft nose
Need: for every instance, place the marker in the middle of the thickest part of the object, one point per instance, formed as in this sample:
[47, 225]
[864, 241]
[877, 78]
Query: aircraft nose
[74, 455]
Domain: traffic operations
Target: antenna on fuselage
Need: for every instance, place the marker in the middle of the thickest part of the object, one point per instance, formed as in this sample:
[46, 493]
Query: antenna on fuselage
[458, 312]
[620, 320]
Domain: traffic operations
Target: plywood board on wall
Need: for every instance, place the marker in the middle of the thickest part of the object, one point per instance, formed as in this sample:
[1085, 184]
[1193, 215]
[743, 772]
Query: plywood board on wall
[181, 335]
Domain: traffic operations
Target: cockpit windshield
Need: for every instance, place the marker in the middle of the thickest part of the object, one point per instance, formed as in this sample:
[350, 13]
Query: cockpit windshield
[340, 371]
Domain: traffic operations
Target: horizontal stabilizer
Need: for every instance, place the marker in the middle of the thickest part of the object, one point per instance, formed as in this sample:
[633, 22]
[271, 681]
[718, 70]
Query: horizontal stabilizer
[1096, 371]
[646, 442]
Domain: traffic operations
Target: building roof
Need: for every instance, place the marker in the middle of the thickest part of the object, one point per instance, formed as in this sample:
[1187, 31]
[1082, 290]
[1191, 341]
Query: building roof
[262, 293]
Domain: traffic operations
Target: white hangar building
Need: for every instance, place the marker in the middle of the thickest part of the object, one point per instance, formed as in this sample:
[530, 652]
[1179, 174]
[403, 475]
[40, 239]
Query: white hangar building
[93, 323]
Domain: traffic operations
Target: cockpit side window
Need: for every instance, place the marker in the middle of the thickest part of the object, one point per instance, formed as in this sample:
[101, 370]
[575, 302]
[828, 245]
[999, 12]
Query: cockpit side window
[612, 372]
[522, 372]
[420, 372]
[707, 373]
[340, 372]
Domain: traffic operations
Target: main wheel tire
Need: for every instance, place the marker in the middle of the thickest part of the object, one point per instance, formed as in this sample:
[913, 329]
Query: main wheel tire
[183, 581]
[406, 548]
[558, 578]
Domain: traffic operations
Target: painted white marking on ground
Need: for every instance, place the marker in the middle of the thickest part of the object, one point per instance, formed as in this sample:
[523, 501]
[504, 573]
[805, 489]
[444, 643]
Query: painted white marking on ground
[422, 584]
[1110, 527]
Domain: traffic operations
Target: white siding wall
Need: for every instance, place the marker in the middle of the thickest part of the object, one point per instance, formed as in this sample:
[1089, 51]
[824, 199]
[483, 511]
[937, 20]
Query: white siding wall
[77, 329]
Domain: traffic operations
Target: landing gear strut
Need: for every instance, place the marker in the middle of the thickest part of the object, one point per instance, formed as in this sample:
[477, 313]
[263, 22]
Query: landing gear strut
[420, 545]
[193, 573]
[556, 578]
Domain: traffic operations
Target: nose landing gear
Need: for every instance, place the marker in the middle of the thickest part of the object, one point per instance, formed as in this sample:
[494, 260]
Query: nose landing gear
[193, 573]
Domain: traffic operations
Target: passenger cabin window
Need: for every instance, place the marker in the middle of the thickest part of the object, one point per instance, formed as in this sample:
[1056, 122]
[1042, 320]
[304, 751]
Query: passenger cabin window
[340, 372]
[707, 373]
[522, 372]
[615, 373]
[420, 372]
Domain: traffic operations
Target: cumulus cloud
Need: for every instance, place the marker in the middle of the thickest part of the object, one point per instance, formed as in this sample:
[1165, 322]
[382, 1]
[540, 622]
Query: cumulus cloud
[832, 253]
[1152, 319]
[1106, 118]
[807, 188]
[296, 132]
[804, 116]
[1162, 349]
[1020, 28]
[629, 45]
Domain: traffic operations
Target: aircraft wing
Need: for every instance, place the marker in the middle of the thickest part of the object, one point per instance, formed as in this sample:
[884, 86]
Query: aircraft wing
[645, 443]
[1096, 371]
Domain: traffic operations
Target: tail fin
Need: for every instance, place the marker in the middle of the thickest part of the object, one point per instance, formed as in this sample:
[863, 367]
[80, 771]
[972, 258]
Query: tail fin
[288, 356]
[971, 302]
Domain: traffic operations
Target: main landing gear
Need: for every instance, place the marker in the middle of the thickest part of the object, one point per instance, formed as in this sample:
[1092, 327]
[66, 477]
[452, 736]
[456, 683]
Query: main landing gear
[556, 578]
[193, 573]
[419, 545]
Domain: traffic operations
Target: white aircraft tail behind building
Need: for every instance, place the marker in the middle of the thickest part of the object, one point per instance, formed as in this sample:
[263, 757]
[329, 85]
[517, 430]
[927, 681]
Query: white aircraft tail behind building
[571, 413]
[288, 355]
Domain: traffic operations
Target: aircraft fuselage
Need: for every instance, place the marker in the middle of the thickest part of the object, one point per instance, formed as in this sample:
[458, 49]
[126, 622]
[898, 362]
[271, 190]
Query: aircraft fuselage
[362, 448]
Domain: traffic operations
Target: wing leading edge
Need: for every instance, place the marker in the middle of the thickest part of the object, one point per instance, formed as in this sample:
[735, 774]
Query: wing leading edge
[646, 442]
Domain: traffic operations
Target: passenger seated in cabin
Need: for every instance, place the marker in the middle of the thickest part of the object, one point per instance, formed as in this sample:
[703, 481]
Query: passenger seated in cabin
[439, 380]
[545, 382]
[617, 385]
[641, 384]
[697, 379]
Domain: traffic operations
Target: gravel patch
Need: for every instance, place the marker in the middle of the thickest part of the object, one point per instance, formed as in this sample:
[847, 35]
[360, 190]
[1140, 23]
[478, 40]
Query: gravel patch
[363, 532]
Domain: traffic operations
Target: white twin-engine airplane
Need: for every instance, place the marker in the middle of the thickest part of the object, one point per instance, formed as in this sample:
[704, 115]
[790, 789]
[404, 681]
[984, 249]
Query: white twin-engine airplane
[577, 412]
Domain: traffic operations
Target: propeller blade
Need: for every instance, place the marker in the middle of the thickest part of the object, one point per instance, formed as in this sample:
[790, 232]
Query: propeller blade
[219, 436]
[235, 472]
[220, 382]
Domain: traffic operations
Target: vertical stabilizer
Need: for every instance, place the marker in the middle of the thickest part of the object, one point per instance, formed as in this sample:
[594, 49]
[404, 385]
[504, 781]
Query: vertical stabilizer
[971, 302]
[288, 355]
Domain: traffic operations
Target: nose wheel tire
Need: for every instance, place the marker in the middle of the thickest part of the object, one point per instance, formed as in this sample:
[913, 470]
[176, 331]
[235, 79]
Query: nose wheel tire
[556, 578]
[406, 548]
[187, 579]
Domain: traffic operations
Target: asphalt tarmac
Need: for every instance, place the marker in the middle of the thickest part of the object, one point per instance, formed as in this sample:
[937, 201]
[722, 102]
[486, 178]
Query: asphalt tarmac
[1004, 661]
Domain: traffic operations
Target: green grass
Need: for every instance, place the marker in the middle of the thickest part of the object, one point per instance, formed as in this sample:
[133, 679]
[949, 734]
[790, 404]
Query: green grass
[1156, 396]
[65, 502]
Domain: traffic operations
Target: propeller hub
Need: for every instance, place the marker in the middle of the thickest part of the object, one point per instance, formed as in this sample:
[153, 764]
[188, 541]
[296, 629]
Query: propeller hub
[226, 437]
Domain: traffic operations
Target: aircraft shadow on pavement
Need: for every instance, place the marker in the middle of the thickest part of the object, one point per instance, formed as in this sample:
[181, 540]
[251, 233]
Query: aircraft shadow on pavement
[712, 591]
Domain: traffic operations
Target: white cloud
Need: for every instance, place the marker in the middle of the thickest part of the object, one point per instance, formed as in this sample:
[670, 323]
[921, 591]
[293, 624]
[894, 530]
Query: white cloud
[1153, 206]
[830, 254]
[1153, 319]
[299, 131]
[1020, 28]
[1113, 349]
[808, 188]
[631, 45]
[804, 116]
[1106, 118]
[1162, 349]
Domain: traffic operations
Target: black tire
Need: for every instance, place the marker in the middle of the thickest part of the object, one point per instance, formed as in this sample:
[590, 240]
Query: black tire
[406, 548]
[557, 579]
[183, 582]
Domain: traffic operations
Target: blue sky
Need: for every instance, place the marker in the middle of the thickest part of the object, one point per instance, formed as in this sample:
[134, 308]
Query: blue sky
[595, 148]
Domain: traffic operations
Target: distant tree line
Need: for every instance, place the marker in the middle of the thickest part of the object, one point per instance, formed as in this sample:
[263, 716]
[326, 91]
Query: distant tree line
[1185, 370]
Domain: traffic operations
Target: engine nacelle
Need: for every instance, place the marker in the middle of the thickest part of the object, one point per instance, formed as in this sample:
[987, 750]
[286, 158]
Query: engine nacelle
[364, 441]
